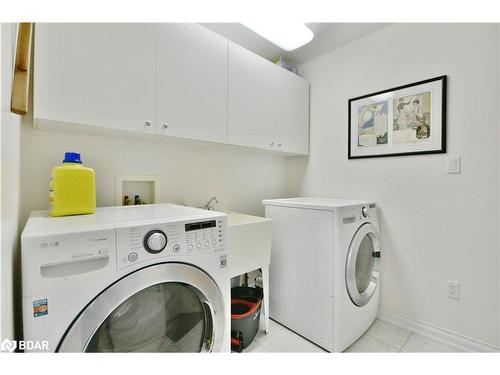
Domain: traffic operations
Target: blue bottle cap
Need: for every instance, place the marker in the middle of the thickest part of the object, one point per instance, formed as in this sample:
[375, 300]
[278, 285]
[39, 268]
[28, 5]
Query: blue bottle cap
[72, 157]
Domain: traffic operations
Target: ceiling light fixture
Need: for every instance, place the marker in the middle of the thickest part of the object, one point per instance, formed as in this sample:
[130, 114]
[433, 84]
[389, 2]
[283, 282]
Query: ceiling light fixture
[287, 36]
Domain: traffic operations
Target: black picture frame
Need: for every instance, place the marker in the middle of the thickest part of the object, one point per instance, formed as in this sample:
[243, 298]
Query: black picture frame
[441, 150]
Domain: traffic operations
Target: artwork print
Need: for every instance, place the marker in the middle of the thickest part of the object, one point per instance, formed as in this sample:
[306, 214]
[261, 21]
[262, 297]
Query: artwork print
[372, 124]
[412, 118]
[404, 120]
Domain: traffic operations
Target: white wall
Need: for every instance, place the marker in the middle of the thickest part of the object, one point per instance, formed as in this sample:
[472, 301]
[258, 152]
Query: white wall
[434, 226]
[239, 178]
[9, 187]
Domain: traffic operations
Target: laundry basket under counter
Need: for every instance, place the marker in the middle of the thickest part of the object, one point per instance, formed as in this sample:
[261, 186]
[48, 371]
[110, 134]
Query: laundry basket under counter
[249, 249]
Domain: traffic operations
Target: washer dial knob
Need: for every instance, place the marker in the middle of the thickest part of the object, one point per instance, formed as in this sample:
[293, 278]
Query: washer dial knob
[155, 241]
[364, 211]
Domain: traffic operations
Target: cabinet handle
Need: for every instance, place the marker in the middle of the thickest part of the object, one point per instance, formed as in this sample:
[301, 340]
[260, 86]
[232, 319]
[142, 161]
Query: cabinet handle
[271, 144]
[147, 123]
[165, 125]
[279, 144]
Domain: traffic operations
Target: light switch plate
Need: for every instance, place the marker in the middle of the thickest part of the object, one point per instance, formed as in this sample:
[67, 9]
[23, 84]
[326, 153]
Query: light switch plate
[453, 164]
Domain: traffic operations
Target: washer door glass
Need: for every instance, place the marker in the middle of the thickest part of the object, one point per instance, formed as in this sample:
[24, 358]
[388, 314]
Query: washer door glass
[362, 266]
[168, 317]
[169, 307]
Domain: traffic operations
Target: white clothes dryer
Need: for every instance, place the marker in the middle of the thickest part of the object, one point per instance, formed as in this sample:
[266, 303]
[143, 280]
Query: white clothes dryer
[325, 268]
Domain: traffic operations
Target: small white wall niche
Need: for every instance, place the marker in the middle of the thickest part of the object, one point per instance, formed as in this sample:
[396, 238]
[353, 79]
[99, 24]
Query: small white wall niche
[147, 187]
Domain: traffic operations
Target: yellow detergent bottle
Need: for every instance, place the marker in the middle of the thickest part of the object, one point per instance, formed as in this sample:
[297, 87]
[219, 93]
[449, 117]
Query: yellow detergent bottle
[72, 188]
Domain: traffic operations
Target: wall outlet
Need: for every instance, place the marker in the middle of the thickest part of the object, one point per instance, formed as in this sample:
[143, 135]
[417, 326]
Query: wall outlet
[453, 289]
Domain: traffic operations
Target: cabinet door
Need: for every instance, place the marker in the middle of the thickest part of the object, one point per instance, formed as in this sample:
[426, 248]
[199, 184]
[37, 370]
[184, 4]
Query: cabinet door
[292, 112]
[101, 75]
[251, 99]
[191, 99]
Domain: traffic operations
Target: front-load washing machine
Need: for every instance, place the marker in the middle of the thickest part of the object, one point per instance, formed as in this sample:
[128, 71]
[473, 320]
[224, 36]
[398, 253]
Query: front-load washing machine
[147, 278]
[325, 267]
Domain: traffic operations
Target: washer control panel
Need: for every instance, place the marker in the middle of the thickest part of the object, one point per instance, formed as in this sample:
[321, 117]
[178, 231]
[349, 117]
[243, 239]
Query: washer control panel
[358, 213]
[203, 235]
[141, 243]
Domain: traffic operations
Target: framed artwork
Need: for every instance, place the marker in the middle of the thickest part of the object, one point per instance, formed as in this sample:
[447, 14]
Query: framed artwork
[404, 120]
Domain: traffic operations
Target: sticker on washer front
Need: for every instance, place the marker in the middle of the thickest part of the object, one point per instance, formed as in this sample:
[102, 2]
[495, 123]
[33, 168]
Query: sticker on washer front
[40, 308]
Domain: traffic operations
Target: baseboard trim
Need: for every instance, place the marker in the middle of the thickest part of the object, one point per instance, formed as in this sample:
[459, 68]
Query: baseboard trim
[446, 336]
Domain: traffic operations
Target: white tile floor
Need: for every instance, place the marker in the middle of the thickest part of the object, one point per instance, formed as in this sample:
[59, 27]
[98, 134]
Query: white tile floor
[380, 337]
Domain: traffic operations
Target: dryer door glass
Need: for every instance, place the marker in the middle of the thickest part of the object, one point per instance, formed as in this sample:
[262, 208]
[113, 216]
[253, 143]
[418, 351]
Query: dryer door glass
[169, 307]
[169, 317]
[362, 265]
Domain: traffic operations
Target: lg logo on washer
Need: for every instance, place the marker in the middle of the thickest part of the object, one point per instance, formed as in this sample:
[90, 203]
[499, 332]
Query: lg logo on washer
[9, 346]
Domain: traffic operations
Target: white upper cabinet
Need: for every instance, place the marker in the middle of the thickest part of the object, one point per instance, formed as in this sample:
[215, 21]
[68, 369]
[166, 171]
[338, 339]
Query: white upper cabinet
[101, 75]
[191, 91]
[251, 107]
[292, 112]
[268, 106]
[176, 80]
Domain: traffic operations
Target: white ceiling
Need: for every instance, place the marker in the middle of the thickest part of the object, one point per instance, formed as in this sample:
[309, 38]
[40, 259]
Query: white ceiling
[327, 36]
